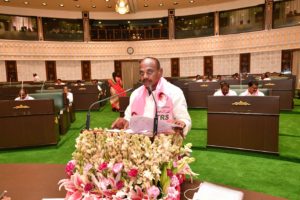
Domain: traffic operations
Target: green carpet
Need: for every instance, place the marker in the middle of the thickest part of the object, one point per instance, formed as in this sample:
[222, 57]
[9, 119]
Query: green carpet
[271, 174]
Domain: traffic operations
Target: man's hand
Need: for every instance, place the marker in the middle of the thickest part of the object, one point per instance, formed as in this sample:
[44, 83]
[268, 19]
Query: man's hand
[120, 123]
[181, 125]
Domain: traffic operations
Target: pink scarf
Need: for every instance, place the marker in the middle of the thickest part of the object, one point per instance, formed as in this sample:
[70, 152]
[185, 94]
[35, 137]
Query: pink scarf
[164, 102]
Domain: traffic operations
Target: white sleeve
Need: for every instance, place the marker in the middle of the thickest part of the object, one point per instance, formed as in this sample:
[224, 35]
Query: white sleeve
[70, 97]
[180, 110]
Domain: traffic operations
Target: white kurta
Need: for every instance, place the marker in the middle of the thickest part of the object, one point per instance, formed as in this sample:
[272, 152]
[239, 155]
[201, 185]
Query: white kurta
[257, 93]
[180, 111]
[230, 93]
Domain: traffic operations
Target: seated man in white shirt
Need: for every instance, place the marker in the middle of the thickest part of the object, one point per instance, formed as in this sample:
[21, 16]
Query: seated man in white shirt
[23, 96]
[224, 90]
[252, 90]
[69, 95]
[170, 102]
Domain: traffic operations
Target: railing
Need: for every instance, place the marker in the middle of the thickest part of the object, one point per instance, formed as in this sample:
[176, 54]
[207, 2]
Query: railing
[128, 34]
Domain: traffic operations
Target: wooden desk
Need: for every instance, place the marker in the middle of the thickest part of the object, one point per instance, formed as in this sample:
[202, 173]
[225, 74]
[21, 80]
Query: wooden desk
[248, 195]
[248, 123]
[283, 89]
[37, 181]
[84, 96]
[198, 92]
[28, 123]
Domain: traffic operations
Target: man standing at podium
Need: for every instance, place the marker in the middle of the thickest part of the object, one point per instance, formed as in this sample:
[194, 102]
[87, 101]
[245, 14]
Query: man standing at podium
[170, 102]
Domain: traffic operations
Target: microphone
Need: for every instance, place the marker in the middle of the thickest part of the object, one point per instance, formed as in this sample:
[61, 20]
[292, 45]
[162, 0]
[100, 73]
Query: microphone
[155, 121]
[42, 88]
[88, 115]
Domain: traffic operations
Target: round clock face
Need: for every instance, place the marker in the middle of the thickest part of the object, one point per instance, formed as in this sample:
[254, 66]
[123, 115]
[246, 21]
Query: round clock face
[130, 50]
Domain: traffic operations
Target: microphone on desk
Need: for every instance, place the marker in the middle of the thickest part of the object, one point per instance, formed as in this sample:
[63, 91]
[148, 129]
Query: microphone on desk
[42, 88]
[155, 121]
[88, 115]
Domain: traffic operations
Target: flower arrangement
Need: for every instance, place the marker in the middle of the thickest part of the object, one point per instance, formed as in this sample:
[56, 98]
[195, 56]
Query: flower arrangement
[118, 165]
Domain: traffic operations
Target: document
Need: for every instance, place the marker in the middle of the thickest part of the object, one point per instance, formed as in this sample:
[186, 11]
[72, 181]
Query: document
[140, 124]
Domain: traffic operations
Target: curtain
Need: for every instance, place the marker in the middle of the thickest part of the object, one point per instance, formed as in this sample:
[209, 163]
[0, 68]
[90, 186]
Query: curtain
[296, 67]
[130, 73]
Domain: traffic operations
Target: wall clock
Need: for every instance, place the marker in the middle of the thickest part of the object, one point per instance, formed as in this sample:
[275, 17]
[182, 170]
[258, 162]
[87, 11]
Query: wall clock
[130, 50]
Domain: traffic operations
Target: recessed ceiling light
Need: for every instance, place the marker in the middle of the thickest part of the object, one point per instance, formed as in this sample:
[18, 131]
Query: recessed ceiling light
[26, 2]
[109, 6]
[107, 0]
[61, 5]
[6, 0]
[77, 6]
[192, 1]
[93, 6]
[145, 5]
[161, 4]
[44, 3]
[175, 3]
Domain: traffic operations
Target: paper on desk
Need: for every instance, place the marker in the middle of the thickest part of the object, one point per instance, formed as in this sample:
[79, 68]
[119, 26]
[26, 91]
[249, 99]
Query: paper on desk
[140, 124]
[209, 191]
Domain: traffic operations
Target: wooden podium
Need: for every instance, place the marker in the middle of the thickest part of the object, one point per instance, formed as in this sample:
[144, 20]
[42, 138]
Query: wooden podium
[248, 123]
[28, 123]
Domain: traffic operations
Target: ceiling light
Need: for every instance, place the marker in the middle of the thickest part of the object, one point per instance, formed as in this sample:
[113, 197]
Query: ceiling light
[145, 5]
[107, 0]
[192, 1]
[61, 5]
[44, 3]
[122, 7]
[77, 6]
[93, 6]
[109, 6]
[6, 0]
[26, 2]
[175, 3]
[161, 4]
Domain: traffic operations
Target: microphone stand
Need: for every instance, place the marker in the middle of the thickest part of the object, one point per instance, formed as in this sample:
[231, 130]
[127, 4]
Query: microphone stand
[88, 115]
[42, 88]
[155, 120]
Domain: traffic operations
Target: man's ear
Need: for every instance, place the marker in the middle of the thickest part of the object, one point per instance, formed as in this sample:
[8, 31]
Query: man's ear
[161, 71]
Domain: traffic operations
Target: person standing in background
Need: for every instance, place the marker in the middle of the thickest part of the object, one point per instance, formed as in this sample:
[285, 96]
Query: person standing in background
[116, 87]
[36, 78]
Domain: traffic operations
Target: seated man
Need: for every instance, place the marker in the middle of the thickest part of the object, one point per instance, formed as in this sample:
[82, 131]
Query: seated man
[23, 95]
[225, 91]
[36, 78]
[252, 90]
[169, 99]
[59, 82]
[69, 95]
